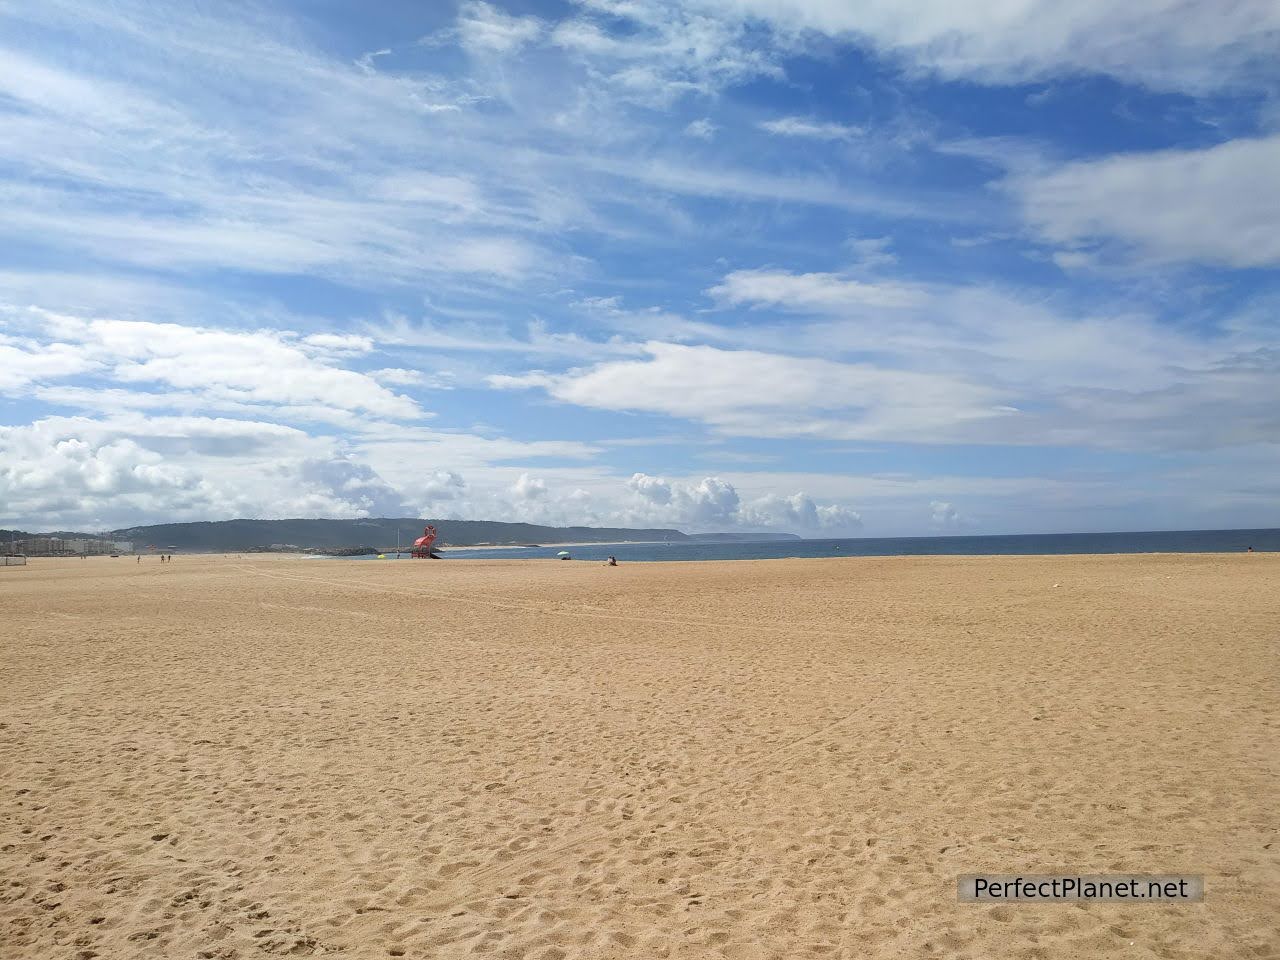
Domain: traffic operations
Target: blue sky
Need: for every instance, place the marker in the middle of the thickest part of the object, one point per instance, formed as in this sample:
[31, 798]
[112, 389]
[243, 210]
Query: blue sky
[795, 265]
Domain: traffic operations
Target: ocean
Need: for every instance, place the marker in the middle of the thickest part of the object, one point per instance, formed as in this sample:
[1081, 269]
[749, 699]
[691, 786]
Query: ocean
[1165, 541]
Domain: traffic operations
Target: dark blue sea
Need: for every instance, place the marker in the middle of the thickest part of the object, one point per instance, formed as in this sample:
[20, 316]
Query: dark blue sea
[1178, 541]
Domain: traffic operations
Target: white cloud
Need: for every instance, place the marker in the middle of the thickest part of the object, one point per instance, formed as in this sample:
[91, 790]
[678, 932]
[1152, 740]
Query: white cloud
[746, 393]
[1074, 260]
[1167, 44]
[654, 489]
[677, 176]
[810, 291]
[401, 377]
[799, 512]
[872, 252]
[1171, 44]
[529, 488]
[810, 129]
[222, 367]
[398, 376]
[483, 27]
[708, 502]
[703, 503]
[172, 158]
[944, 514]
[366, 61]
[80, 472]
[25, 360]
[437, 486]
[403, 453]
[1004, 334]
[337, 344]
[1219, 205]
[664, 51]
[712, 503]
[702, 129]
[182, 117]
[491, 337]
[1121, 380]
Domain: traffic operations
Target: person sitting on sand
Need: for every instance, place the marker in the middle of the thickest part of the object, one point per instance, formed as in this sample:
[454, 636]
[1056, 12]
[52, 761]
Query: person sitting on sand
[611, 562]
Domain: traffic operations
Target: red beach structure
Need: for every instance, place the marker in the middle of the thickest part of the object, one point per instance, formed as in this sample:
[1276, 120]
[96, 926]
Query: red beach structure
[422, 546]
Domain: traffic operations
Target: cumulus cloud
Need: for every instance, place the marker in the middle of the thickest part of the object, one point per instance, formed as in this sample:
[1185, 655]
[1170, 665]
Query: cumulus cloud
[80, 472]
[529, 488]
[944, 514]
[355, 484]
[799, 512]
[441, 485]
[437, 491]
[653, 489]
[709, 501]
[701, 503]
[713, 502]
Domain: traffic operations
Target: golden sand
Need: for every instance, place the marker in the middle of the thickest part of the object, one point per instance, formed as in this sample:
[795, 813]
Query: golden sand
[241, 758]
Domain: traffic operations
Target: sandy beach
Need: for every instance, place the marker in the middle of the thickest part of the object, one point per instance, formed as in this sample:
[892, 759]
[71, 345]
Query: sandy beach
[236, 758]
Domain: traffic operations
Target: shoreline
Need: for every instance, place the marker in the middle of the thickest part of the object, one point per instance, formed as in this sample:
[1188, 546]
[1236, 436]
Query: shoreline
[580, 543]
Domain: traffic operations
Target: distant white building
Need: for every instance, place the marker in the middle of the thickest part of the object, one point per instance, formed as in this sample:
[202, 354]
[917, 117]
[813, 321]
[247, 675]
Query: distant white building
[58, 547]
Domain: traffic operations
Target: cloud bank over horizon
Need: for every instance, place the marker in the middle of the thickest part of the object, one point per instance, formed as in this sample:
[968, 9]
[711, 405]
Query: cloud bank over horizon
[773, 265]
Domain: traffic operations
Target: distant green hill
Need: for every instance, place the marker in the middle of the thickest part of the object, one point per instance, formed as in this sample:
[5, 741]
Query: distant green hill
[229, 535]
[7, 535]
